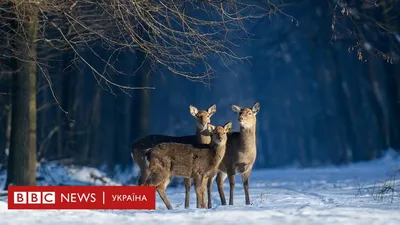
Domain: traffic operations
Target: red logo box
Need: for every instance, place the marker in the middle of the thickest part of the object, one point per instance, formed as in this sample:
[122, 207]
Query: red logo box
[82, 197]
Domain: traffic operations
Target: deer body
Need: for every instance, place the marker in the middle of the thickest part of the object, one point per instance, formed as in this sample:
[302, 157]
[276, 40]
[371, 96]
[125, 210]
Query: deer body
[240, 155]
[144, 145]
[242, 152]
[197, 161]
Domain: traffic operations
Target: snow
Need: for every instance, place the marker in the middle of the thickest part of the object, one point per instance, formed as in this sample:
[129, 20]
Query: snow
[331, 195]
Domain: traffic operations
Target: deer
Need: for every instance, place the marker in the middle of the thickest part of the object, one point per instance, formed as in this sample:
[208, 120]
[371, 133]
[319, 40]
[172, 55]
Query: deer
[202, 136]
[241, 152]
[197, 161]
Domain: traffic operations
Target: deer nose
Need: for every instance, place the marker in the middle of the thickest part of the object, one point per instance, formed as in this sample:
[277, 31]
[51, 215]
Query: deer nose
[240, 119]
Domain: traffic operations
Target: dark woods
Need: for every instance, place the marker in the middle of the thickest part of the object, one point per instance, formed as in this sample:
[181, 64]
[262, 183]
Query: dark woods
[80, 82]
[331, 85]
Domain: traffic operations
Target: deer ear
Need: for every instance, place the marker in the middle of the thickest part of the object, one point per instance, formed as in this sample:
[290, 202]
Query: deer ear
[228, 126]
[256, 108]
[212, 110]
[236, 108]
[193, 110]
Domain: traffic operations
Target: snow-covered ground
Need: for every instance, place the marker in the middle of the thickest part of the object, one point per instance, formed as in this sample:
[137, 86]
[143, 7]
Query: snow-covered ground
[362, 193]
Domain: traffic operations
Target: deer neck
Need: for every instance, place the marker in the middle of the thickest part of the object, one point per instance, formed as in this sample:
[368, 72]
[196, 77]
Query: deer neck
[218, 152]
[203, 137]
[248, 138]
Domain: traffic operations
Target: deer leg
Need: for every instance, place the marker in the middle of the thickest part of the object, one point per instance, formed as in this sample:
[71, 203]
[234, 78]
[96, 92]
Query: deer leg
[149, 181]
[231, 178]
[204, 192]
[143, 177]
[221, 176]
[161, 191]
[245, 180]
[187, 182]
[197, 187]
[209, 187]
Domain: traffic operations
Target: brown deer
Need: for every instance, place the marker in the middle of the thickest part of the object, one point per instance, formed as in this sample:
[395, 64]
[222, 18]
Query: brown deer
[197, 161]
[240, 155]
[203, 136]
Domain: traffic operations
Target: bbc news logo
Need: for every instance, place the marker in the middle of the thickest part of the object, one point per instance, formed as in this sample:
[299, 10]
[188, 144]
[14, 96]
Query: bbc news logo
[49, 197]
[34, 197]
[82, 197]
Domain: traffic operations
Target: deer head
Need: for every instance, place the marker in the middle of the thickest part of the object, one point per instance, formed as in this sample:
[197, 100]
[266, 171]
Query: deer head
[203, 117]
[220, 133]
[247, 116]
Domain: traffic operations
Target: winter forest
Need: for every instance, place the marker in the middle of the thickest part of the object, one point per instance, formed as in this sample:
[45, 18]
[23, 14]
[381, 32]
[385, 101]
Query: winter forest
[81, 81]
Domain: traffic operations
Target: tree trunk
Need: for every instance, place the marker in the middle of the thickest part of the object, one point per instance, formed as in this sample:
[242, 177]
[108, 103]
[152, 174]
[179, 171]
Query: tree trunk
[68, 87]
[141, 103]
[22, 159]
[93, 145]
[8, 133]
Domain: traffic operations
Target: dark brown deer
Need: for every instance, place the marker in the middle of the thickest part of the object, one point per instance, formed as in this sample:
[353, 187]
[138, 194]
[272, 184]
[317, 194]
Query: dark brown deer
[197, 161]
[203, 136]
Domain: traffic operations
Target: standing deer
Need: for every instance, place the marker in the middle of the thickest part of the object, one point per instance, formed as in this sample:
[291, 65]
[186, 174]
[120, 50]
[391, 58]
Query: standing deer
[203, 136]
[197, 161]
[240, 155]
